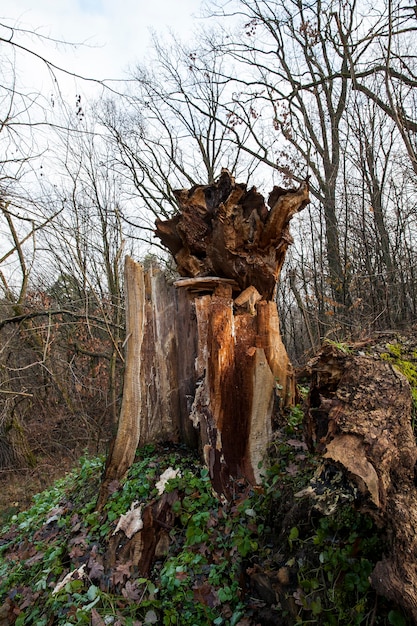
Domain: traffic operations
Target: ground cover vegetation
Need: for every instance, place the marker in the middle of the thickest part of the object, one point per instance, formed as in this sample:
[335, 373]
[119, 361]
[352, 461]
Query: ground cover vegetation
[265, 557]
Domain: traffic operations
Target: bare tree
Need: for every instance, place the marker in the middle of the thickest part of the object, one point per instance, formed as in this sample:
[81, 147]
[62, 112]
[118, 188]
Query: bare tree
[294, 73]
[61, 319]
[388, 76]
[167, 135]
[308, 82]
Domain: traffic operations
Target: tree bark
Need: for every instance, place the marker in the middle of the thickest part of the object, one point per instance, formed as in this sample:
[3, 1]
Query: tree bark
[359, 417]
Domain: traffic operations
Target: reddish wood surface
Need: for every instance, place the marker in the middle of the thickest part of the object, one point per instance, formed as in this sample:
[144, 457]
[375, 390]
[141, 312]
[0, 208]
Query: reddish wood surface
[226, 230]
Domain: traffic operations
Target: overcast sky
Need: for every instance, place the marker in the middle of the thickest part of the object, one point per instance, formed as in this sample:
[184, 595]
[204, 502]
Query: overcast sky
[117, 32]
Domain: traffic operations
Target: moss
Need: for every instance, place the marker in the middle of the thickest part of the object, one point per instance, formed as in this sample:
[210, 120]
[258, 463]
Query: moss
[404, 363]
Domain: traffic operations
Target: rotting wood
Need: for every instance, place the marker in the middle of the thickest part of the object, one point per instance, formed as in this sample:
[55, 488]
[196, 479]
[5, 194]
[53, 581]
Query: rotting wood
[148, 543]
[205, 284]
[210, 348]
[243, 372]
[210, 358]
[359, 418]
[223, 236]
[225, 230]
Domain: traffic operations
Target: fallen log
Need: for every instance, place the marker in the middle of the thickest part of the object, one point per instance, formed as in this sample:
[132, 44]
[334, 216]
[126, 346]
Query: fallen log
[359, 419]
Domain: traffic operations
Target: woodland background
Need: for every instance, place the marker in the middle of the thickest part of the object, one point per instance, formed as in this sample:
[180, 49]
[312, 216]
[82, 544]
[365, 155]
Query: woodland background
[281, 91]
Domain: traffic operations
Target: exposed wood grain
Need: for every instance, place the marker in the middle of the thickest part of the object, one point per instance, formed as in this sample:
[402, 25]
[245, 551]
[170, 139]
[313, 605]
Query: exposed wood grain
[124, 446]
[225, 230]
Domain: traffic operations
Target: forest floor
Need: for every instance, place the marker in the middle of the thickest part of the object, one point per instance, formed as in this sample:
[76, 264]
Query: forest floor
[270, 555]
[267, 557]
[17, 487]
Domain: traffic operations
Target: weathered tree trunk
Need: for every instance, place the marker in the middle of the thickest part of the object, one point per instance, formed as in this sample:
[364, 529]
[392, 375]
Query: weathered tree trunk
[159, 372]
[124, 446]
[210, 350]
[243, 372]
[359, 417]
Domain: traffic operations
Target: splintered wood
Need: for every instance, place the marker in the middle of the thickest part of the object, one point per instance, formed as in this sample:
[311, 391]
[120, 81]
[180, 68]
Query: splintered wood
[208, 352]
[205, 355]
[231, 246]
[228, 231]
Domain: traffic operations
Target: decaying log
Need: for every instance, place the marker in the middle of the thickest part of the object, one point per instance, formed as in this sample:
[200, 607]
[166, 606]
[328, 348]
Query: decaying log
[227, 231]
[151, 541]
[359, 417]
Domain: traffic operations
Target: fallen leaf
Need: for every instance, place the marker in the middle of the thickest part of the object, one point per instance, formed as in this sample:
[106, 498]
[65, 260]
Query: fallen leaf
[296, 443]
[113, 486]
[121, 572]
[96, 620]
[28, 597]
[131, 591]
[292, 469]
[79, 540]
[34, 559]
[151, 617]
[206, 595]
[75, 574]
[55, 514]
[96, 569]
[131, 522]
[76, 552]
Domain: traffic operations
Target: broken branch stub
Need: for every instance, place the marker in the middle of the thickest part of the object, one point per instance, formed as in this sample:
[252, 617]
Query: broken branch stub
[225, 230]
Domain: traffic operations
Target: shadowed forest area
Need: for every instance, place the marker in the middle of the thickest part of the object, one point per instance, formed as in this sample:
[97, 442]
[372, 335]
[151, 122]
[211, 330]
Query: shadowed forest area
[279, 97]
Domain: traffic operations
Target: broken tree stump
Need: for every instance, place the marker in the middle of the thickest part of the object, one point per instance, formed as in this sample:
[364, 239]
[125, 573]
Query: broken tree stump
[225, 230]
[205, 354]
[243, 373]
[359, 418]
[231, 247]
[159, 379]
[210, 348]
